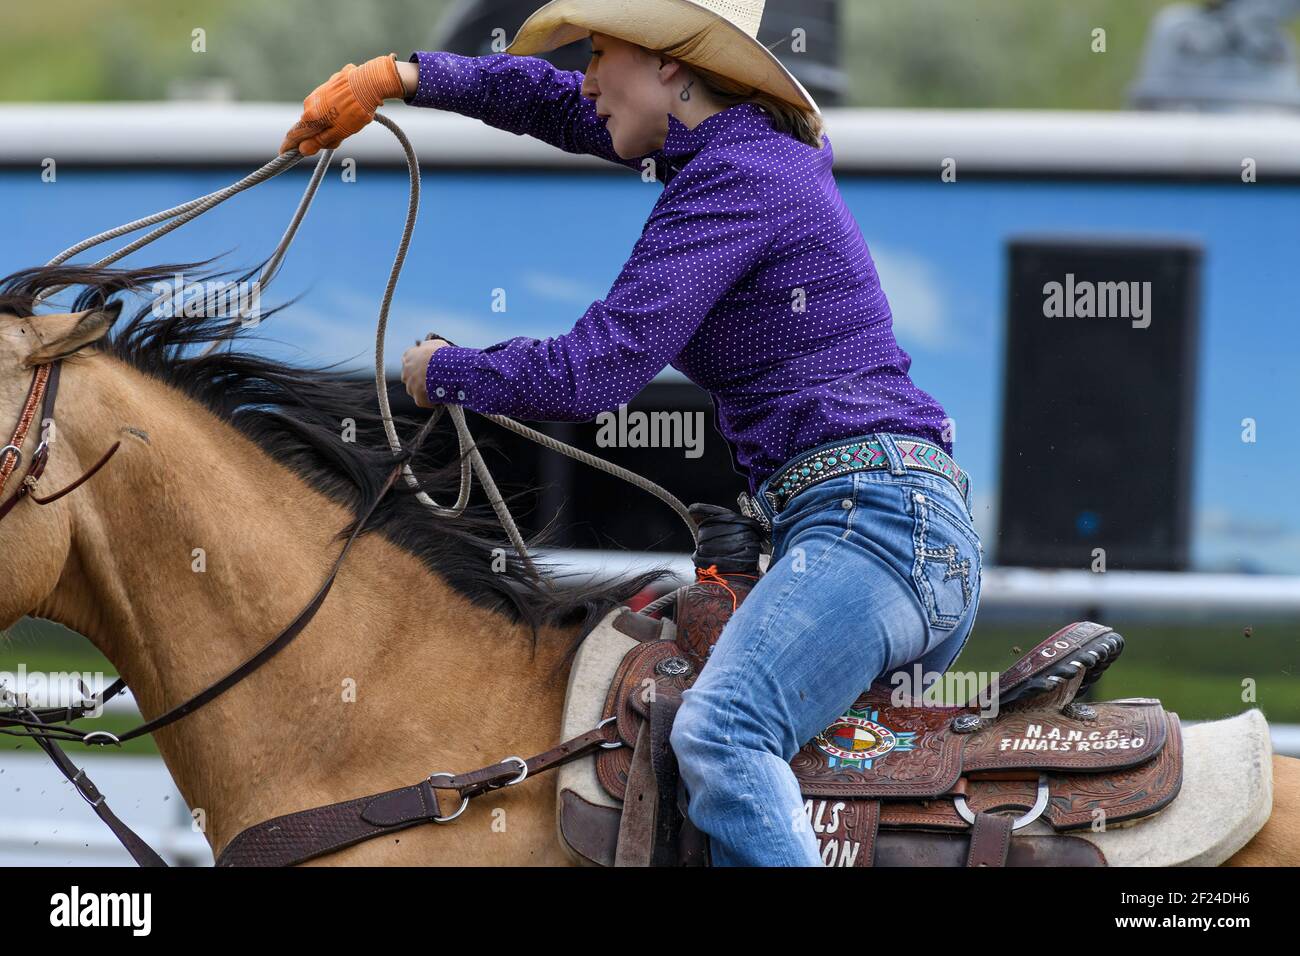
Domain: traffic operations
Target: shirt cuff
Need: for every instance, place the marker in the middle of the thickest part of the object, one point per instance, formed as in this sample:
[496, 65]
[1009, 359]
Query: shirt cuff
[450, 374]
[448, 81]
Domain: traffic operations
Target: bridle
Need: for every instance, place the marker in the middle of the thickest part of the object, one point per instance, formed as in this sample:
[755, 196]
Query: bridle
[43, 392]
[358, 819]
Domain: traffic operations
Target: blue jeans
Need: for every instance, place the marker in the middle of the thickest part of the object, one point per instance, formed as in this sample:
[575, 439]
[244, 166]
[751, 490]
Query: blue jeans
[870, 572]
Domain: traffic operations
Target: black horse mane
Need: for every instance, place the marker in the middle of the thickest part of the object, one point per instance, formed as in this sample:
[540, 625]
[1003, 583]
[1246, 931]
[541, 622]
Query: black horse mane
[297, 414]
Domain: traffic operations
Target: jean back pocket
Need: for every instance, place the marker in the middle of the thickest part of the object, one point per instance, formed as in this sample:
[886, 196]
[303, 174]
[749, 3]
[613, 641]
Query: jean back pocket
[948, 557]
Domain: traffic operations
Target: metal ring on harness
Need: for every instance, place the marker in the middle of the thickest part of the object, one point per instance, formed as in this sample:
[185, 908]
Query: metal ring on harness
[1034, 812]
[464, 800]
[523, 771]
[109, 738]
[609, 745]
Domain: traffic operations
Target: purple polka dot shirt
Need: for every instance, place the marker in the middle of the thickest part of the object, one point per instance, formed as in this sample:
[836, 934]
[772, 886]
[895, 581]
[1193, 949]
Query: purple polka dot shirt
[751, 277]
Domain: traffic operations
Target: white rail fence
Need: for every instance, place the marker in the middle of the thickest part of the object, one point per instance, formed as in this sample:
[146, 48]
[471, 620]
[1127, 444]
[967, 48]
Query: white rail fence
[1120, 143]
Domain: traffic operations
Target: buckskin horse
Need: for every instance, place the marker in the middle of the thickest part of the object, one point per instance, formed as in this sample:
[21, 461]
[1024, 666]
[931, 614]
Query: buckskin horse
[435, 651]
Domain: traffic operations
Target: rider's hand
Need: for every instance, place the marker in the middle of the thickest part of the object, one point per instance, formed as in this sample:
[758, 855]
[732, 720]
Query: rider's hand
[343, 104]
[415, 366]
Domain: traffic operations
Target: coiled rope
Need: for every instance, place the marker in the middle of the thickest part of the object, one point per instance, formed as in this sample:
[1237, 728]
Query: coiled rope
[470, 458]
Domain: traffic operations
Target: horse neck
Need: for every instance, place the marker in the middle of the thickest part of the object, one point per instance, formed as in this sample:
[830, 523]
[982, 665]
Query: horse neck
[192, 548]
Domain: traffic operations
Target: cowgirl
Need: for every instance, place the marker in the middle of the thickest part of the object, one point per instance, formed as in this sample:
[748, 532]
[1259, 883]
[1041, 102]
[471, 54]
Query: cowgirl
[752, 278]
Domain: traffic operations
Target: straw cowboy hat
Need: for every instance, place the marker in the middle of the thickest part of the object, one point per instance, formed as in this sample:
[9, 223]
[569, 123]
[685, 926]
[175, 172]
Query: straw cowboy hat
[726, 31]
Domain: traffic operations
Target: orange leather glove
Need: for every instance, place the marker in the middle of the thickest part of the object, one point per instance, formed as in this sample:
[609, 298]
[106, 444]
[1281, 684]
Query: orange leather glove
[343, 104]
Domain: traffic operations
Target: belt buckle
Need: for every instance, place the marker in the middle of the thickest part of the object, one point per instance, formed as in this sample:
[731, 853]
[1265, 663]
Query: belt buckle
[750, 509]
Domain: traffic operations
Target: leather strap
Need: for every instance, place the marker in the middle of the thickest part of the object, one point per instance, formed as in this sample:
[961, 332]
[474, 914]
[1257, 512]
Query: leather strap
[36, 391]
[68, 489]
[663, 763]
[990, 839]
[692, 843]
[38, 716]
[297, 837]
[140, 851]
[507, 771]
[640, 805]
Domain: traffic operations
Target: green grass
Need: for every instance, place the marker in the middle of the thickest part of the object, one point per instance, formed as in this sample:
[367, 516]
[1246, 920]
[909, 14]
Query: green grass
[1196, 670]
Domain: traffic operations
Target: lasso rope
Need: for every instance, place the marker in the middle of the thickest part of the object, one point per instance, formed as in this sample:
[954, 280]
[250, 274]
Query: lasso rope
[470, 457]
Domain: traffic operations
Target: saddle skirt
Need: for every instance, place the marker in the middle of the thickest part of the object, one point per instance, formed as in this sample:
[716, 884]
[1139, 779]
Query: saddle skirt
[898, 782]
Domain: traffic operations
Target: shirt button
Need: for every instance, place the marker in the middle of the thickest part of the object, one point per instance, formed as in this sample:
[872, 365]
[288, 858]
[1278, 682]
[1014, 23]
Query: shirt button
[846, 504]
[440, 391]
[461, 395]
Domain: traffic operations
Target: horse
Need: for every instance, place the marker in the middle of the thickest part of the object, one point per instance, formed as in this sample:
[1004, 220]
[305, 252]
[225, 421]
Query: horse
[215, 521]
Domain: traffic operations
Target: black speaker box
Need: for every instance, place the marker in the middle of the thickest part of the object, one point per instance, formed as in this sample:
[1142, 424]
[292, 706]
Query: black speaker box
[1099, 403]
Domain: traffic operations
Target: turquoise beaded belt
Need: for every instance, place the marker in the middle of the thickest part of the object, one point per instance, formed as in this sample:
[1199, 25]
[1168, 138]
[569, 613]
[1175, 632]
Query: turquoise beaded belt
[816, 466]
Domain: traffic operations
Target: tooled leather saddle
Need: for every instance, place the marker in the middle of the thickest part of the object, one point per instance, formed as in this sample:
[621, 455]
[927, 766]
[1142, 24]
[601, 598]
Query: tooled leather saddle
[890, 782]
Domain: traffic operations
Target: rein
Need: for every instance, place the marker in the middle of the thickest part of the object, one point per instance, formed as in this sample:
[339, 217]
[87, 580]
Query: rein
[381, 812]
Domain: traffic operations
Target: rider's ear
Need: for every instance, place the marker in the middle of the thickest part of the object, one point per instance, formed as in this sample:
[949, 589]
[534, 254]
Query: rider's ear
[61, 335]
